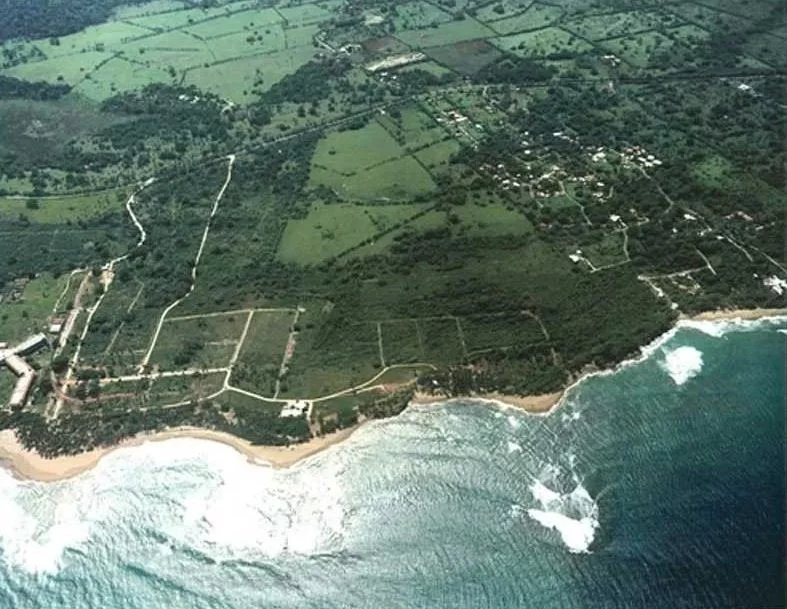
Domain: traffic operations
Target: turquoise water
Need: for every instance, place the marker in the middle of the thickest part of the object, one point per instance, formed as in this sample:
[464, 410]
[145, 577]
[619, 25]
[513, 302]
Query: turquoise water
[658, 486]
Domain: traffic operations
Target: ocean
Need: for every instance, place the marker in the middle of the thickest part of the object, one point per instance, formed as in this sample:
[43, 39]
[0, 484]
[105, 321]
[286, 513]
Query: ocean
[660, 485]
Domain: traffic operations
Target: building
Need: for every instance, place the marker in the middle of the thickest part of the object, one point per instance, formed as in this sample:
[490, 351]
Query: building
[24, 372]
[31, 344]
[25, 377]
[295, 408]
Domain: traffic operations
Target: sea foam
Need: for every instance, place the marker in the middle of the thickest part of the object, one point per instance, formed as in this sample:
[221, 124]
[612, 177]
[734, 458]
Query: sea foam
[574, 515]
[682, 364]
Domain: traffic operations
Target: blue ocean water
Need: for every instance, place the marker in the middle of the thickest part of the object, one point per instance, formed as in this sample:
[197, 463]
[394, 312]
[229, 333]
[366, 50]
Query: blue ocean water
[658, 486]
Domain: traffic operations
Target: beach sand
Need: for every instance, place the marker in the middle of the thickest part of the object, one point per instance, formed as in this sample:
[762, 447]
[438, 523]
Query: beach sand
[30, 465]
[748, 314]
[534, 404]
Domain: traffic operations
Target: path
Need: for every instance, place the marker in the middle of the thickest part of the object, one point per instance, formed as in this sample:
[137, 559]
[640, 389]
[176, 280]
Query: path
[107, 275]
[149, 352]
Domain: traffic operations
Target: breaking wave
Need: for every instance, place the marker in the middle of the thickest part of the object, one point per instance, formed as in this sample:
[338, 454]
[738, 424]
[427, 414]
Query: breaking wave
[682, 364]
[198, 494]
[574, 514]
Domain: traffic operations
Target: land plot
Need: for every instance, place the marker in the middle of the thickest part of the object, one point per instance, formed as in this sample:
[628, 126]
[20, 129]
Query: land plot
[331, 358]
[412, 128]
[62, 209]
[70, 69]
[251, 21]
[437, 156]
[637, 49]
[243, 43]
[307, 14]
[466, 57]
[347, 152]
[106, 36]
[401, 342]
[395, 180]
[416, 15]
[421, 222]
[489, 332]
[119, 75]
[179, 19]
[536, 17]
[503, 9]
[329, 230]
[442, 343]
[237, 79]
[606, 251]
[37, 131]
[447, 33]
[28, 312]
[493, 220]
[613, 25]
[22, 249]
[386, 44]
[148, 8]
[204, 342]
[262, 352]
[542, 43]
[689, 35]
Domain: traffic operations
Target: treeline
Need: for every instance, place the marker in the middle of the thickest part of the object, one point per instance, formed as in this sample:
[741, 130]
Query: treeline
[11, 88]
[33, 19]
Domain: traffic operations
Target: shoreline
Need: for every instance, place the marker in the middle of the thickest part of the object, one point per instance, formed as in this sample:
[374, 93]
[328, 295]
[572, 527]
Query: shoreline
[29, 465]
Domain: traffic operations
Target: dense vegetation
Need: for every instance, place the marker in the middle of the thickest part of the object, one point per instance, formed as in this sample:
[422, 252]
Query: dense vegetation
[539, 192]
[44, 18]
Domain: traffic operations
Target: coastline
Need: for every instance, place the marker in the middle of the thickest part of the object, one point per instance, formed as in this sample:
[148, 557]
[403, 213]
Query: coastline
[730, 314]
[29, 465]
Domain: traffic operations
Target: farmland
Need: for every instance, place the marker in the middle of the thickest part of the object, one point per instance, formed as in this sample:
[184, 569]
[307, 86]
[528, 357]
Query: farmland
[264, 218]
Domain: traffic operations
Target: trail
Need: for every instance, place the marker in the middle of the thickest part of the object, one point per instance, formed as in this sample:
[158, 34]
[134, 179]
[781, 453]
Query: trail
[107, 276]
[56, 306]
[146, 358]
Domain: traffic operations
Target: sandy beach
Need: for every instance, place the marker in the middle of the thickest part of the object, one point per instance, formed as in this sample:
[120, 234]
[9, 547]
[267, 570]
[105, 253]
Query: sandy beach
[30, 465]
[748, 314]
[534, 404]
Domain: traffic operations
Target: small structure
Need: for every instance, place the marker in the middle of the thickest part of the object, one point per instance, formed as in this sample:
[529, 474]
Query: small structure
[395, 61]
[295, 408]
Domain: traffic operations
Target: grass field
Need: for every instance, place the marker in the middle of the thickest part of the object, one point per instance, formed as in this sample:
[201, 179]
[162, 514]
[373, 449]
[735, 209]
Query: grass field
[327, 361]
[412, 128]
[491, 220]
[348, 152]
[415, 15]
[446, 33]
[399, 179]
[536, 17]
[329, 230]
[261, 355]
[205, 342]
[30, 313]
[62, 209]
[542, 43]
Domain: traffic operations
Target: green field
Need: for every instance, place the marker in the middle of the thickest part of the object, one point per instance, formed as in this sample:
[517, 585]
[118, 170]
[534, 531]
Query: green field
[70, 208]
[446, 33]
[204, 342]
[542, 43]
[29, 312]
[329, 230]
[262, 352]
